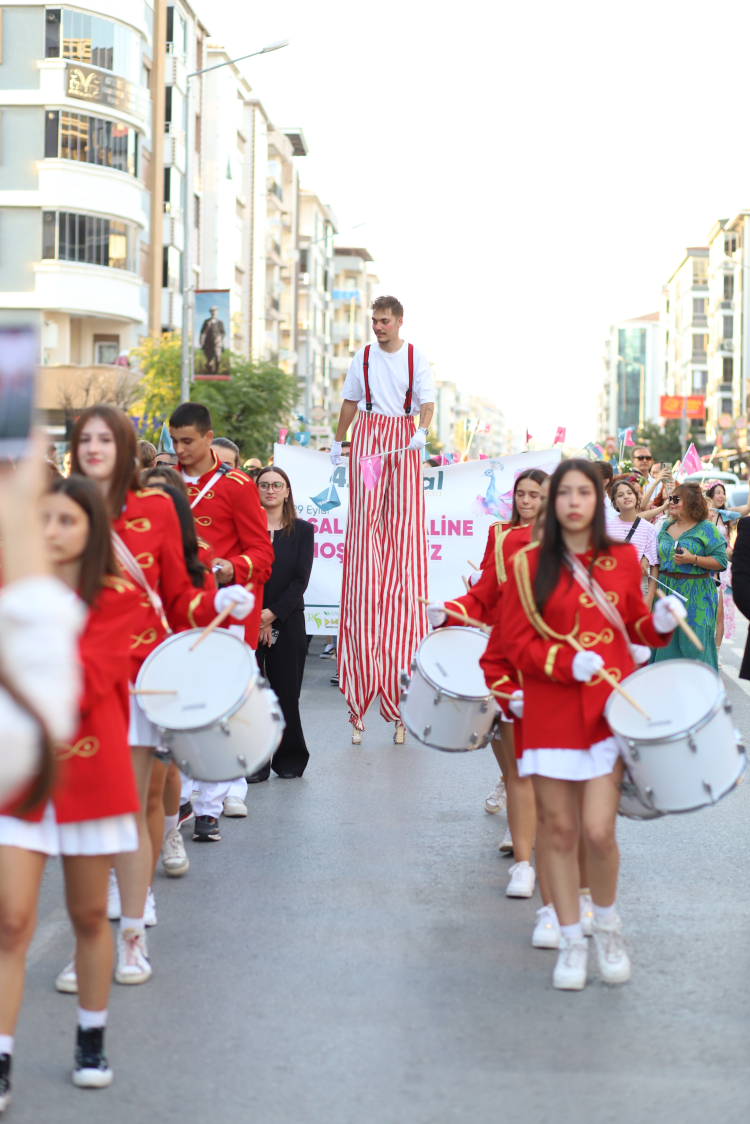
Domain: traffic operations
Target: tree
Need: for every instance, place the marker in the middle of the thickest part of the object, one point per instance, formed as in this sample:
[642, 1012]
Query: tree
[249, 409]
[665, 444]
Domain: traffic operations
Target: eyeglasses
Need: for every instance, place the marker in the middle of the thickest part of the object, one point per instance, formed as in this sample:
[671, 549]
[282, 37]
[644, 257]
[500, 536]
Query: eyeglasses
[641, 458]
[277, 485]
[675, 499]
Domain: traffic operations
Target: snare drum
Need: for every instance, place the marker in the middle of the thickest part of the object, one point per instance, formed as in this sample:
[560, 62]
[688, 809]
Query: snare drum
[223, 721]
[688, 753]
[445, 704]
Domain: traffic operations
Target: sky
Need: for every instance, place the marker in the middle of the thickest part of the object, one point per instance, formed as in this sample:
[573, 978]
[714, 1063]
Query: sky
[527, 174]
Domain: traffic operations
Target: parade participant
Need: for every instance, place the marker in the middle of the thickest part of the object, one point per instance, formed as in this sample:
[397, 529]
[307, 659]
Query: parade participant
[630, 527]
[719, 515]
[227, 512]
[480, 602]
[385, 553]
[574, 604]
[226, 451]
[149, 546]
[90, 815]
[691, 553]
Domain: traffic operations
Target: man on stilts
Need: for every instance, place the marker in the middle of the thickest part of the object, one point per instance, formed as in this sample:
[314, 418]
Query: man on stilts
[385, 556]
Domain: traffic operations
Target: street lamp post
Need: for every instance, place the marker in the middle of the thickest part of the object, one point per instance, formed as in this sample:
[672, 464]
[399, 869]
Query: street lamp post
[187, 265]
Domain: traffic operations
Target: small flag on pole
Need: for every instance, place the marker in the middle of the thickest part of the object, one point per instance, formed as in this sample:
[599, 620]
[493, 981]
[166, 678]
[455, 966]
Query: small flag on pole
[483, 457]
[528, 437]
[165, 441]
[282, 436]
[692, 462]
[371, 469]
[625, 436]
[559, 435]
[303, 437]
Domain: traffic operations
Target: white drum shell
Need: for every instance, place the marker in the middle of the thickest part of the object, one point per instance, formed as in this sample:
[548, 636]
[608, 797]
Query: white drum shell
[443, 719]
[681, 770]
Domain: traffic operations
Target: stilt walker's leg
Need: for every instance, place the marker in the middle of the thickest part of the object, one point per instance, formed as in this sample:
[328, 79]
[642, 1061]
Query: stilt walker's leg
[359, 628]
[403, 618]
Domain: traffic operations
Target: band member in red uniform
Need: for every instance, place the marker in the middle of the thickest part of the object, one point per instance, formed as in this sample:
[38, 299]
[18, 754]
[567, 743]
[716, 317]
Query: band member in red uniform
[90, 815]
[228, 515]
[148, 544]
[482, 603]
[577, 586]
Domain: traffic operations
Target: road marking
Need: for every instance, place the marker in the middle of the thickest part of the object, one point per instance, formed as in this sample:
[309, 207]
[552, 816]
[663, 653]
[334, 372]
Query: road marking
[733, 674]
[55, 925]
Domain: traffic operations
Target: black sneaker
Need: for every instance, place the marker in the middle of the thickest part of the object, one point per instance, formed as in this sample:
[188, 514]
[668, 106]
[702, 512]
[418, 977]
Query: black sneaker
[5, 1062]
[92, 1068]
[335, 679]
[206, 829]
[186, 813]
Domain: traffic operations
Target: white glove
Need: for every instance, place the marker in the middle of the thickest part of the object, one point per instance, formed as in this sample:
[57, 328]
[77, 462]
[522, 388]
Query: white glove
[640, 653]
[436, 614]
[475, 576]
[245, 601]
[515, 706]
[419, 440]
[335, 454]
[664, 620]
[586, 665]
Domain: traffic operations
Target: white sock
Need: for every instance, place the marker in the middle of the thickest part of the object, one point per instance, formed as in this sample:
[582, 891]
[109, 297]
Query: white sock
[91, 1020]
[136, 923]
[170, 823]
[572, 932]
[604, 912]
[584, 892]
[6, 1043]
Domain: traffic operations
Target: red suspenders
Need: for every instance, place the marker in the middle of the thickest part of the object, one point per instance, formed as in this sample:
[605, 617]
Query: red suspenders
[366, 368]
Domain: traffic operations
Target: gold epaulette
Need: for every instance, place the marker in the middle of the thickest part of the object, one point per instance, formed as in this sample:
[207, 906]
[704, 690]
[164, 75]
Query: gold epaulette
[238, 476]
[151, 492]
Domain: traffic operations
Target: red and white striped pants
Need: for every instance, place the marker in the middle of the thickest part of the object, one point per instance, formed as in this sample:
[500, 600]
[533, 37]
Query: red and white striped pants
[385, 569]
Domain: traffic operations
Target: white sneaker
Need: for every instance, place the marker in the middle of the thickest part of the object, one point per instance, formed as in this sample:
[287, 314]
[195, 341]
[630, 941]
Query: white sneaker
[522, 881]
[570, 969]
[547, 929]
[587, 914]
[507, 844]
[173, 854]
[132, 958]
[614, 962]
[497, 799]
[233, 806]
[114, 909]
[67, 981]
[149, 911]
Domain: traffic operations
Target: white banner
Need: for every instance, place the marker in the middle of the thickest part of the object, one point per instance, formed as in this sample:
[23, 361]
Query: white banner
[461, 502]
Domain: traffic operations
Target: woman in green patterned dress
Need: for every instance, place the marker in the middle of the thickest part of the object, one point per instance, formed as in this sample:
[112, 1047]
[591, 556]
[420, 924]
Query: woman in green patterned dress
[691, 552]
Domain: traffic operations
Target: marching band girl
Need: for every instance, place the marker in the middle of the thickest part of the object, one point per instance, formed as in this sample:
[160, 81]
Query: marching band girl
[573, 606]
[90, 816]
[148, 543]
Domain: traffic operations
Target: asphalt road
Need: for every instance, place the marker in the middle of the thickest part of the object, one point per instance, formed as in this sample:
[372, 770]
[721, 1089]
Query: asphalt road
[346, 955]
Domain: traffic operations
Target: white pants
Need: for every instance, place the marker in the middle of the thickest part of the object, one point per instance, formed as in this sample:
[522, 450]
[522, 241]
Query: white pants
[211, 794]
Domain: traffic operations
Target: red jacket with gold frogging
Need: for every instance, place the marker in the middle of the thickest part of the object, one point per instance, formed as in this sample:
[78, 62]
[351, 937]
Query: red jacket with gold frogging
[560, 712]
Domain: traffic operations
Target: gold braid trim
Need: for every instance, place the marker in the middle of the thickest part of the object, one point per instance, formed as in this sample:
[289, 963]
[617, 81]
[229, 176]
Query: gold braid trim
[499, 682]
[191, 609]
[528, 604]
[500, 537]
[549, 663]
[458, 605]
[639, 634]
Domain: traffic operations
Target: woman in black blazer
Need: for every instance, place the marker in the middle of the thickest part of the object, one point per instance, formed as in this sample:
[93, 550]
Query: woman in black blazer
[282, 647]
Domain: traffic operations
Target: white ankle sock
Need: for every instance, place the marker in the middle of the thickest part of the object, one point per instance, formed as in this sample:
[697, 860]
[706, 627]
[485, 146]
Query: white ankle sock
[572, 932]
[170, 822]
[90, 1020]
[604, 912]
[136, 923]
[6, 1043]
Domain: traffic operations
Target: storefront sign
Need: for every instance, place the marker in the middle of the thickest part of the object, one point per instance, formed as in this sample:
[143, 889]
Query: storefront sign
[103, 88]
[672, 405]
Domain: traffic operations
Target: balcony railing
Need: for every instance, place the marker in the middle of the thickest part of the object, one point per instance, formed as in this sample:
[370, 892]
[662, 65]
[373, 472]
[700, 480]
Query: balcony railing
[699, 357]
[728, 305]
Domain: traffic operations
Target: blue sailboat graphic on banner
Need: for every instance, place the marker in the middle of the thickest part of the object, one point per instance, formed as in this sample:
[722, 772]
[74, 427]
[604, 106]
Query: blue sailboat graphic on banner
[327, 499]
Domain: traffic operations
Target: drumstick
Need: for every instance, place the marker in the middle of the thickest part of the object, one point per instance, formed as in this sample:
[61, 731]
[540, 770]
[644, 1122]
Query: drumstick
[473, 564]
[463, 579]
[694, 640]
[612, 681]
[500, 695]
[143, 691]
[219, 619]
[460, 617]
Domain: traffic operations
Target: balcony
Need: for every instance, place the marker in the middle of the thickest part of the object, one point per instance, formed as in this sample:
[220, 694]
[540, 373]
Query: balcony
[700, 320]
[699, 357]
[341, 332]
[726, 345]
[727, 305]
[174, 146]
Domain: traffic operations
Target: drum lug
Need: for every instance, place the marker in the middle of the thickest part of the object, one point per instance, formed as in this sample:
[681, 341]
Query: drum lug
[739, 741]
[225, 728]
[473, 739]
[404, 679]
[242, 759]
[426, 731]
[404, 697]
[707, 787]
[633, 751]
[727, 706]
[438, 696]
[691, 743]
[413, 665]
[484, 707]
[649, 793]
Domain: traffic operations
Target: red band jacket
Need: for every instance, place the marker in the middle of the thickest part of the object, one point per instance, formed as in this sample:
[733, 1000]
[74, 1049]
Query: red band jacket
[94, 775]
[229, 517]
[150, 529]
[560, 712]
[480, 602]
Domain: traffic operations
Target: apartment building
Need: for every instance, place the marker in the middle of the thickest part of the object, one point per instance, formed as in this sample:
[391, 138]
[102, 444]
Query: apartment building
[728, 310]
[458, 415]
[354, 284]
[631, 385]
[317, 226]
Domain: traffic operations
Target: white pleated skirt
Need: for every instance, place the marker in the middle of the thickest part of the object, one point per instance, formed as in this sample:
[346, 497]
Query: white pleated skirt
[141, 730]
[108, 836]
[570, 764]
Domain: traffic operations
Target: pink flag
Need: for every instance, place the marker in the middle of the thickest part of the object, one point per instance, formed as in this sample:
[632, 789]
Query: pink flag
[456, 458]
[528, 437]
[559, 435]
[444, 459]
[629, 437]
[692, 462]
[371, 469]
[282, 436]
[483, 457]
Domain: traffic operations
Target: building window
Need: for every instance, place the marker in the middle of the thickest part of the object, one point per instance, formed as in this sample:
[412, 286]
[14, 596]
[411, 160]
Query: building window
[106, 349]
[89, 239]
[700, 381]
[728, 327]
[727, 369]
[730, 244]
[91, 140]
[700, 271]
[726, 406]
[93, 41]
[171, 269]
[700, 341]
[728, 286]
[699, 306]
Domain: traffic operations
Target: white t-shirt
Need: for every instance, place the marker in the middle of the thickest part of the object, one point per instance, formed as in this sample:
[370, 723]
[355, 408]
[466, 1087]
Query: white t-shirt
[388, 375]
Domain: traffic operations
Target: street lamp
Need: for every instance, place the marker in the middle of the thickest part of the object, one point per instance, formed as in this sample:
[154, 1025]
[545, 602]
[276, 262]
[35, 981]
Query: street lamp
[187, 268]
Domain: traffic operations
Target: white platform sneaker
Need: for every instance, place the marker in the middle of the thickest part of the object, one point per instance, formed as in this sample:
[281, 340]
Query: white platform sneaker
[522, 881]
[497, 799]
[570, 969]
[547, 929]
[614, 962]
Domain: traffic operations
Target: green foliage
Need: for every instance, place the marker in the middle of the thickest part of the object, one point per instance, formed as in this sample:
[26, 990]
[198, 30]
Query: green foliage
[249, 409]
[665, 444]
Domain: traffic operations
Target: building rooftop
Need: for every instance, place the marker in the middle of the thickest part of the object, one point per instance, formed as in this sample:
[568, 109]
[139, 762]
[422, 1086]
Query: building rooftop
[648, 316]
[353, 252]
[297, 137]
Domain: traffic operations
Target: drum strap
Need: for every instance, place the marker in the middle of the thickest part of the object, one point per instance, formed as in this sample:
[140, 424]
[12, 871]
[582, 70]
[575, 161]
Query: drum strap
[130, 563]
[222, 470]
[595, 591]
